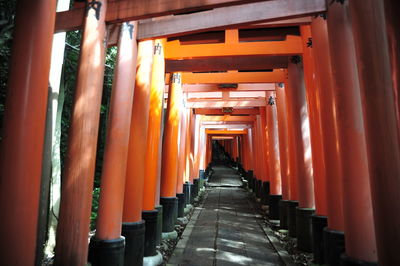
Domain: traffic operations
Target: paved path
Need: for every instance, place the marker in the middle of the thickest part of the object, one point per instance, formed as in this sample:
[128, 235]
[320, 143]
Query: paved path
[225, 230]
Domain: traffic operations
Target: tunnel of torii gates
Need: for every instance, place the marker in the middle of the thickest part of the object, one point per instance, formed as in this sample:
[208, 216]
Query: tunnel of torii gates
[303, 95]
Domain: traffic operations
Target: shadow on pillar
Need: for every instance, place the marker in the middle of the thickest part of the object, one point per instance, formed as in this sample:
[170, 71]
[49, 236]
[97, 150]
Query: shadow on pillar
[304, 228]
[170, 213]
[150, 241]
[291, 217]
[134, 234]
[106, 252]
[273, 202]
[333, 246]
[318, 224]
[283, 206]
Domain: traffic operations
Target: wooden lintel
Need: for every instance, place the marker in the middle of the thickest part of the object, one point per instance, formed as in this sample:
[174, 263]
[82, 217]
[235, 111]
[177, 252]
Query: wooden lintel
[225, 132]
[232, 16]
[276, 76]
[227, 63]
[237, 111]
[212, 103]
[291, 46]
[128, 10]
[215, 87]
[225, 126]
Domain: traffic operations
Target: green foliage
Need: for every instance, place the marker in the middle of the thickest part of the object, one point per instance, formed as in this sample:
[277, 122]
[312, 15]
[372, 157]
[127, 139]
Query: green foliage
[7, 15]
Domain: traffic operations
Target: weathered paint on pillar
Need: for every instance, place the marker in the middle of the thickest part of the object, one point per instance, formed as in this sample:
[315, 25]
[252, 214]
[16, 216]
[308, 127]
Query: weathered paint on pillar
[283, 133]
[152, 163]
[312, 91]
[169, 169]
[191, 129]
[329, 125]
[133, 198]
[77, 183]
[108, 225]
[299, 137]
[24, 130]
[382, 136]
[273, 145]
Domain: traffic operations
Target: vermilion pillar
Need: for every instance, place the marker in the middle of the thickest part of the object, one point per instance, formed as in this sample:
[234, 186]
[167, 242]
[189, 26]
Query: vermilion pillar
[392, 9]
[108, 225]
[283, 139]
[312, 91]
[152, 164]
[301, 158]
[360, 237]
[169, 170]
[273, 146]
[284, 158]
[77, 183]
[382, 136]
[273, 154]
[181, 163]
[152, 214]
[133, 226]
[23, 132]
[327, 110]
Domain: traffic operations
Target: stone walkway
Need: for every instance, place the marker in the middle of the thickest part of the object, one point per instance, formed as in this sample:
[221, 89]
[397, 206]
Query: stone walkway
[226, 230]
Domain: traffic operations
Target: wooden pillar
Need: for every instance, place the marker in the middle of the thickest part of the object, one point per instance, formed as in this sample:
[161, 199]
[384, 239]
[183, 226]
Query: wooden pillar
[108, 225]
[381, 131]
[24, 130]
[181, 152]
[133, 226]
[138, 135]
[360, 237]
[283, 133]
[392, 9]
[273, 146]
[170, 141]
[77, 182]
[169, 169]
[299, 138]
[192, 133]
[312, 91]
[152, 163]
[329, 126]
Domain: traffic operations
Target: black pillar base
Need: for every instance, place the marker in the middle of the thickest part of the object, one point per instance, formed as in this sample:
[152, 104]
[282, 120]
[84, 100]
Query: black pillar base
[265, 193]
[196, 187]
[283, 205]
[333, 246]
[159, 209]
[304, 228]
[170, 213]
[150, 218]
[349, 261]
[251, 182]
[291, 217]
[201, 174]
[259, 188]
[273, 202]
[134, 234]
[106, 252]
[249, 174]
[181, 204]
[187, 190]
[318, 224]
